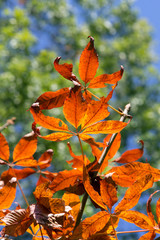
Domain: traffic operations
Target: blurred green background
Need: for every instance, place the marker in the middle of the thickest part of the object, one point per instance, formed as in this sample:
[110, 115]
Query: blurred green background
[33, 33]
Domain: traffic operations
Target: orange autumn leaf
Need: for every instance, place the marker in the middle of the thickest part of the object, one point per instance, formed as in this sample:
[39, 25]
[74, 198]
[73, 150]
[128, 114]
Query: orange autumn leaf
[158, 211]
[91, 225]
[88, 64]
[48, 122]
[131, 155]
[4, 148]
[148, 236]
[57, 136]
[75, 107]
[127, 174]
[133, 193]
[149, 209]
[139, 219]
[25, 148]
[23, 173]
[45, 159]
[108, 192]
[65, 179]
[73, 201]
[65, 70]
[105, 127]
[100, 81]
[49, 100]
[8, 192]
[96, 111]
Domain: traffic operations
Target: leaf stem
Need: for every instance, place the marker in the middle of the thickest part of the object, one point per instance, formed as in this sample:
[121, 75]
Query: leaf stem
[41, 232]
[115, 233]
[23, 193]
[134, 231]
[8, 122]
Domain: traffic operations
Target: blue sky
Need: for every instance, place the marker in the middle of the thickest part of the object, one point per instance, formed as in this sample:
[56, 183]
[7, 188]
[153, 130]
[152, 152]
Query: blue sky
[151, 11]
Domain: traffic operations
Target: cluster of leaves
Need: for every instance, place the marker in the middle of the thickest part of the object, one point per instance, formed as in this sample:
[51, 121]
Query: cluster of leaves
[60, 218]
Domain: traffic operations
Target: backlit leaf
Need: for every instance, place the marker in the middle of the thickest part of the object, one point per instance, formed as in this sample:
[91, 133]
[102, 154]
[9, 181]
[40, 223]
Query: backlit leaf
[48, 122]
[131, 155]
[74, 107]
[27, 162]
[4, 148]
[23, 173]
[127, 174]
[106, 127]
[45, 159]
[149, 209]
[88, 62]
[65, 179]
[91, 225]
[96, 111]
[57, 136]
[148, 236]
[133, 193]
[49, 100]
[139, 219]
[108, 192]
[25, 148]
[158, 211]
[101, 80]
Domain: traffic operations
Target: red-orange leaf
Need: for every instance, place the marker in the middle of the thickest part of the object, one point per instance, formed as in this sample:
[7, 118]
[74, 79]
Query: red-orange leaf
[139, 219]
[4, 148]
[88, 139]
[75, 107]
[27, 162]
[133, 193]
[131, 155]
[127, 174]
[65, 179]
[65, 70]
[51, 123]
[108, 192]
[45, 159]
[158, 211]
[106, 127]
[91, 225]
[49, 100]
[149, 209]
[26, 147]
[88, 62]
[100, 81]
[96, 111]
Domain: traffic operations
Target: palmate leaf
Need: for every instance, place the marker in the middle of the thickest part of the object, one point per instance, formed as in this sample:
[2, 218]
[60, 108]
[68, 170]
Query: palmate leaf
[91, 225]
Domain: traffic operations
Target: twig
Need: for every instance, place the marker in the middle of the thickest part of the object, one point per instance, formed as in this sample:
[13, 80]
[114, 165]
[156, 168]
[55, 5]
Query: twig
[8, 122]
[85, 197]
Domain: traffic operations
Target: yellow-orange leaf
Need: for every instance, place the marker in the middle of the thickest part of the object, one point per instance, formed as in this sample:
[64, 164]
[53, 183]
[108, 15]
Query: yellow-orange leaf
[105, 127]
[127, 174]
[57, 136]
[8, 193]
[51, 123]
[25, 148]
[75, 107]
[28, 162]
[45, 159]
[65, 179]
[73, 201]
[100, 81]
[139, 219]
[88, 139]
[96, 111]
[91, 225]
[131, 155]
[133, 193]
[108, 192]
[49, 100]
[148, 236]
[4, 148]
[88, 62]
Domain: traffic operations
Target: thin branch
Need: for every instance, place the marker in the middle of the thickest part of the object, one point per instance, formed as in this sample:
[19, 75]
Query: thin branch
[23, 193]
[41, 232]
[8, 122]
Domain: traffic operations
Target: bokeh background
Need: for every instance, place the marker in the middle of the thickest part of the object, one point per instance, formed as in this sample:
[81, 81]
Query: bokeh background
[126, 32]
